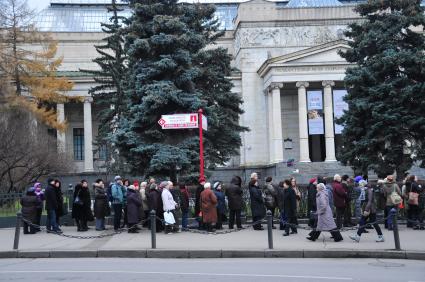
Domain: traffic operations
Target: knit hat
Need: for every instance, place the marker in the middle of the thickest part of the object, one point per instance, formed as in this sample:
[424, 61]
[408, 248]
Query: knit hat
[117, 178]
[131, 187]
[49, 180]
[312, 180]
[153, 186]
[358, 178]
[163, 184]
[216, 184]
[37, 185]
[201, 179]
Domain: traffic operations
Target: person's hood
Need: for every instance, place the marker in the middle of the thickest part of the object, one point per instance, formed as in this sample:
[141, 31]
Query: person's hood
[236, 180]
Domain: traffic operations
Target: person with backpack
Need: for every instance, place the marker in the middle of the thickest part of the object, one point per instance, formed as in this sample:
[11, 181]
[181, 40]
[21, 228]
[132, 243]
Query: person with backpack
[368, 214]
[270, 200]
[117, 200]
[29, 204]
[392, 194]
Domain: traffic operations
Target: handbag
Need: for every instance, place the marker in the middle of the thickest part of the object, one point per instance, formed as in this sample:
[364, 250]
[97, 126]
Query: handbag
[395, 197]
[413, 199]
[169, 218]
[78, 200]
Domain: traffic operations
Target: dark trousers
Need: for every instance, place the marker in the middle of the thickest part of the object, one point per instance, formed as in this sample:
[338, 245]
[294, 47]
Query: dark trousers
[362, 223]
[125, 218]
[291, 224]
[219, 224]
[146, 218]
[389, 221]
[273, 210]
[257, 226]
[335, 234]
[51, 221]
[347, 215]
[235, 214]
[29, 229]
[339, 215]
[414, 215]
[81, 224]
[117, 215]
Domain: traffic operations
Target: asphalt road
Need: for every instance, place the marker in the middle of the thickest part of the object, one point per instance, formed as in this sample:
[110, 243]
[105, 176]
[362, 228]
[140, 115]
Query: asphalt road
[297, 270]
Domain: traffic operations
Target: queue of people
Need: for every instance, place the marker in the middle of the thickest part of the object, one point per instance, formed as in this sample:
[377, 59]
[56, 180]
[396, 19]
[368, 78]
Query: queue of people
[328, 204]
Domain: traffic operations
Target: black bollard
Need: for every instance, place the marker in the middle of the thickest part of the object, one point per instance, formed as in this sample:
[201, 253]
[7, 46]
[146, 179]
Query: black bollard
[270, 228]
[153, 228]
[17, 230]
[393, 213]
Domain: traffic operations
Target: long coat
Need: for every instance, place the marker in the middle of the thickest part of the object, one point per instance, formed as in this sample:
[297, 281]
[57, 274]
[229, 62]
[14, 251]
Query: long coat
[339, 195]
[134, 203]
[234, 194]
[257, 202]
[101, 205]
[290, 202]
[51, 199]
[29, 207]
[59, 197]
[325, 219]
[155, 201]
[82, 212]
[208, 206]
[198, 192]
[221, 201]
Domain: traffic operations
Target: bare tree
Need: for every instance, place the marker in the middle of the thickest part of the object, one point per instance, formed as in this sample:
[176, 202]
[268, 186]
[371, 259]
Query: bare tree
[25, 156]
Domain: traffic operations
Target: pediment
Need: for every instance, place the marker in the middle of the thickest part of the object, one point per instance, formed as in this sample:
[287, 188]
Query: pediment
[325, 54]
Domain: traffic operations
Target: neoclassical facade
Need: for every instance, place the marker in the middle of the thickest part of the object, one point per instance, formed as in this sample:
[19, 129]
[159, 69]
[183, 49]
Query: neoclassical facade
[289, 74]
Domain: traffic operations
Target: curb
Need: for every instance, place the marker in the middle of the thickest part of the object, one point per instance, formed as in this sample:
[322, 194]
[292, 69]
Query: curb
[252, 253]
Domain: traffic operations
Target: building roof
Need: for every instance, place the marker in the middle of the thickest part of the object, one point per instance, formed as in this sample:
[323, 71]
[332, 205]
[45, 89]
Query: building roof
[312, 3]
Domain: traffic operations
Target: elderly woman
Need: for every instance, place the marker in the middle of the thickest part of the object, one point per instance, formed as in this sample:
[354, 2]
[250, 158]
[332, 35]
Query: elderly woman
[208, 207]
[145, 205]
[325, 220]
[169, 206]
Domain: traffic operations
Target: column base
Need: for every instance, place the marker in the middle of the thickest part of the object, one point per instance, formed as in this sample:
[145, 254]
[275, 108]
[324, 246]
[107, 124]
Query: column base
[330, 161]
[304, 161]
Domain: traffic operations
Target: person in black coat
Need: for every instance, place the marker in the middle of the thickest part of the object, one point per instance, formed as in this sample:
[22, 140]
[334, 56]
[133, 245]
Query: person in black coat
[280, 205]
[51, 207]
[155, 203]
[59, 196]
[29, 204]
[184, 205]
[234, 197]
[101, 205]
[134, 203]
[311, 202]
[289, 207]
[198, 192]
[81, 208]
[257, 203]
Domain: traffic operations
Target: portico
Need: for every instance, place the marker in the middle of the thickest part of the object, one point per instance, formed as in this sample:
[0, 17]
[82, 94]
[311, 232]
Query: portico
[287, 82]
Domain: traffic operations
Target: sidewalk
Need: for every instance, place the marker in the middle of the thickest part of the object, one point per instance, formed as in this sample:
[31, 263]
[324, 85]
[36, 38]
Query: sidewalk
[244, 243]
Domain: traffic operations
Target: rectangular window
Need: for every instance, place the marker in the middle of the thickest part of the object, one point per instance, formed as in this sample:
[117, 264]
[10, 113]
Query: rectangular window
[78, 134]
[103, 152]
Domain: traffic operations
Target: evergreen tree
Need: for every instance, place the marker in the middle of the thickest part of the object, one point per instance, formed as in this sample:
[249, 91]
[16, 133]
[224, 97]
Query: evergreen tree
[385, 124]
[170, 71]
[108, 94]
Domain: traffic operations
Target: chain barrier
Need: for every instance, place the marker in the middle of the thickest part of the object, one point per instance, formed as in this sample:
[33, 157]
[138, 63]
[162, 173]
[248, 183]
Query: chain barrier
[196, 231]
[116, 232]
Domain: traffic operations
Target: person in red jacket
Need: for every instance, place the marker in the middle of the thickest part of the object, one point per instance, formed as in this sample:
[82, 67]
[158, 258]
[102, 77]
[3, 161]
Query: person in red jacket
[340, 199]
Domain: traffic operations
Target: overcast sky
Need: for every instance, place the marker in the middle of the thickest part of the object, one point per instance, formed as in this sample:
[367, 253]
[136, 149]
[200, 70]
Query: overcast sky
[38, 4]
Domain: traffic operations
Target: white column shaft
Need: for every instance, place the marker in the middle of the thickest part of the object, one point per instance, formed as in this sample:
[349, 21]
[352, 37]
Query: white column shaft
[277, 125]
[270, 125]
[88, 136]
[61, 136]
[329, 121]
[302, 121]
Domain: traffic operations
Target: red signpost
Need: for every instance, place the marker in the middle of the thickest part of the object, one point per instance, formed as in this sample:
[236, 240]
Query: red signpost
[201, 146]
[182, 121]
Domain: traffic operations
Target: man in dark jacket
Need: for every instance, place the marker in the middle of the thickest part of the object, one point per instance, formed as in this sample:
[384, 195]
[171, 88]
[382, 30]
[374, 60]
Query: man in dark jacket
[340, 197]
[349, 190]
[155, 203]
[289, 207]
[234, 196]
[311, 202]
[51, 207]
[198, 192]
[270, 191]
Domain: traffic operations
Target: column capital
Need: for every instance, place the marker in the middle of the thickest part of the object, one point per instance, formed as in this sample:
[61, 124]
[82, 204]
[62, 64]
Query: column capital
[304, 84]
[275, 85]
[88, 99]
[328, 83]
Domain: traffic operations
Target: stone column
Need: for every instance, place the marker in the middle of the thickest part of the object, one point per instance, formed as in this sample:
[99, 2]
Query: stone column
[329, 121]
[269, 103]
[88, 135]
[276, 123]
[61, 136]
[302, 121]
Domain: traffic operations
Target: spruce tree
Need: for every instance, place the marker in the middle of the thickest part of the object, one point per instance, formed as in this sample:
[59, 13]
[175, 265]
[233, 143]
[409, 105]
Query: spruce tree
[385, 123]
[108, 94]
[170, 71]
